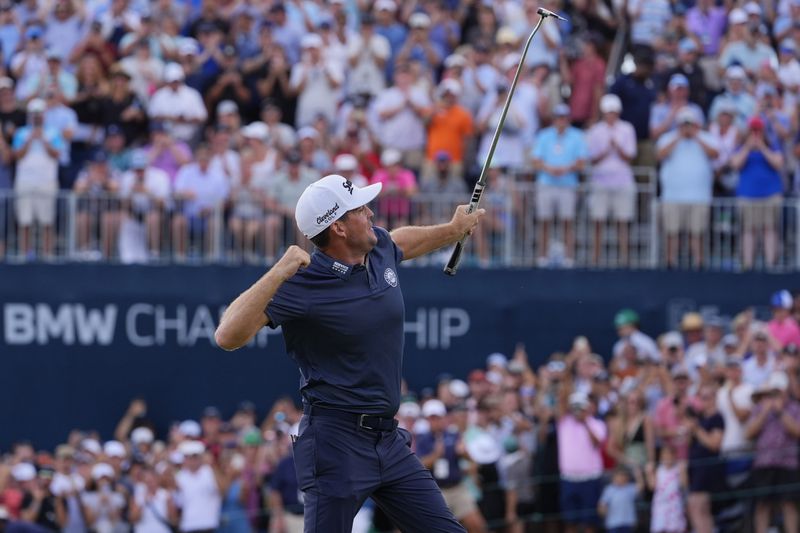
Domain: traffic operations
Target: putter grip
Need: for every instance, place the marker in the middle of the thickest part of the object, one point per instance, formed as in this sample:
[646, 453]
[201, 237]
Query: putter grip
[455, 259]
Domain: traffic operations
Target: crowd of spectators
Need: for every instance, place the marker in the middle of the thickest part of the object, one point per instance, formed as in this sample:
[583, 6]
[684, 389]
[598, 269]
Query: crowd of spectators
[157, 113]
[694, 430]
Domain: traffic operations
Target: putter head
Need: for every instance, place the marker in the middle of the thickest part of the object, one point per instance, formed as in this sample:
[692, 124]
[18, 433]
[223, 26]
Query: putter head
[547, 13]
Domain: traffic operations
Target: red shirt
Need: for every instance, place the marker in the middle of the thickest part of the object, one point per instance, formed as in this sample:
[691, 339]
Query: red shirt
[587, 76]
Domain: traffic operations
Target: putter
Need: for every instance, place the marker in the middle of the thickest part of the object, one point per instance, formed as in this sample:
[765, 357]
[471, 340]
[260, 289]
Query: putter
[455, 258]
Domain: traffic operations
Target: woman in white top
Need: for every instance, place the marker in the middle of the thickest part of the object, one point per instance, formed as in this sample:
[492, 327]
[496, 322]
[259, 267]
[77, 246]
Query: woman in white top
[726, 135]
[152, 509]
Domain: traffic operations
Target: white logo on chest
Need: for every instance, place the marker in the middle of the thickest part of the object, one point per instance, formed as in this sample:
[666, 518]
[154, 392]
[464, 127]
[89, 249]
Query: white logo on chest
[390, 277]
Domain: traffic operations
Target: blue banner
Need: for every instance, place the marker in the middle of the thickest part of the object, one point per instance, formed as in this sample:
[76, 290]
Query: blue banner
[79, 341]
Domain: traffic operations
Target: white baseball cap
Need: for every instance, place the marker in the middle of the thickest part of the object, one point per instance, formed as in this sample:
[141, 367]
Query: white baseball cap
[458, 388]
[450, 85]
[173, 72]
[92, 446]
[142, 435]
[385, 5]
[101, 470]
[114, 448]
[455, 60]
[37, 105]
[419, 20]
[737, 16]
[433, 408]
[345, 162]
[311, 40]
[391, 156]
[409, 410]
[23, 472]
[190, 428]
[256, 130]
[191, 447]
[325, 201]
[579, 399]
[610, 103]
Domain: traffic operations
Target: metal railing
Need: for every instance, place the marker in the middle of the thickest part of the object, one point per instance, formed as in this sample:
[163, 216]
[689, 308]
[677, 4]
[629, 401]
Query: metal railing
[66, 226]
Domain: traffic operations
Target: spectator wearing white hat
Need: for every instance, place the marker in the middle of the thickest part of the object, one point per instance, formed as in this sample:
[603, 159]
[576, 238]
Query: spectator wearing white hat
[178, 106]
[612, 148]
[788, 66]
[282, 136]
[761, 360]
[686, 178]
[346, 165]
[580, 460]
[774, 426]
[726, 135]
[103, 503]
[200, 486]
[316, 83]
[734, 402]
[401, 113]
[367, 54]
[736, 94]
[399, 187]
[311, 151]
[450, 128]
[37, 149]
[748, 50]
[440, 449]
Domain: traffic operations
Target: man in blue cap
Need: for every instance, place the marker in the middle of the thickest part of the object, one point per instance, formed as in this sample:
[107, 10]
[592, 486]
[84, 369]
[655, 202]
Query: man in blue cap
[342, 313]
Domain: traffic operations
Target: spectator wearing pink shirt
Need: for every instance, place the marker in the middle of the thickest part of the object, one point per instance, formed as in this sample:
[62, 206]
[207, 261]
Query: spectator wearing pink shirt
[399, 185]
[612, 147]
[581, 437]
[783, 327]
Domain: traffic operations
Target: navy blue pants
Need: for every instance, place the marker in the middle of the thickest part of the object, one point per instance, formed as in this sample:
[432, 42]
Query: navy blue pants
[339, 465]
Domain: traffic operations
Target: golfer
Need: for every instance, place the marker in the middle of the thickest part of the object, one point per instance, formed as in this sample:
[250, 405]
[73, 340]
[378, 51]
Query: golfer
[342, 313]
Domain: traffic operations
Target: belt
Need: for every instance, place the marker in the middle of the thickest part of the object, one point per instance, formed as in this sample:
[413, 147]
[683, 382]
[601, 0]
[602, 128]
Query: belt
[364, 421]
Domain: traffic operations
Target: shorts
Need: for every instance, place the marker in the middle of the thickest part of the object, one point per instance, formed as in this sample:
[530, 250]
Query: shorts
[684, 217]
[555, 203]
[774, 484]
[579, 500]
[36, 206]
[760, 213]
[617, 203]
[459, 499]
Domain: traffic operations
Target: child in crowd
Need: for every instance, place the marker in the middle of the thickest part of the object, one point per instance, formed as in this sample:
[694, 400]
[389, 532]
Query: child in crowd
[667, 481]
[618, 501]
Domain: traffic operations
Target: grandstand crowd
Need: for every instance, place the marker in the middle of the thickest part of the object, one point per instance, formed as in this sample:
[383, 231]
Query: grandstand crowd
[160, 115]
[693, 430]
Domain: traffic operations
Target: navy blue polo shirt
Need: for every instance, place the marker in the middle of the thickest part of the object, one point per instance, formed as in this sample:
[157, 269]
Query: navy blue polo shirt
[445, 476]
[343, 324]
[637, 98]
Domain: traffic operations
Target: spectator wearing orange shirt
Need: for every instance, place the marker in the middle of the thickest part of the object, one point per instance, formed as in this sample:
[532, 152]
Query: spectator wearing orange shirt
[449, 130]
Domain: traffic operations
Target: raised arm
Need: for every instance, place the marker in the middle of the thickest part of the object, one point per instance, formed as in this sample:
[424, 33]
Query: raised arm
[415, 241]
[245, 316]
